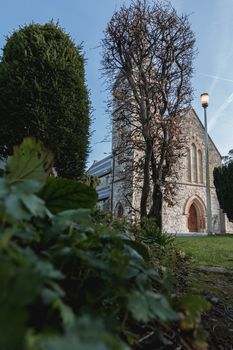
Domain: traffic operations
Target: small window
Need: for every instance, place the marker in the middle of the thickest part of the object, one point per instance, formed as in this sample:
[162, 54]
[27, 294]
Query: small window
[188, 165]
[194, 162]
[200, 167]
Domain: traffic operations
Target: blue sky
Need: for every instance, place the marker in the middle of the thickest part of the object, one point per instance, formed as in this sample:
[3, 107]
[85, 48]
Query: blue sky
[86, 20]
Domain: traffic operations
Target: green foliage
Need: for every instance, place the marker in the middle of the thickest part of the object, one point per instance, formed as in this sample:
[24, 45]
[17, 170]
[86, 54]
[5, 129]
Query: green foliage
[228, 158]
[152, 234]
[87, 334]
[43, 94]
[69, 279]
[75, 265]
[90, 180]
[223, 181]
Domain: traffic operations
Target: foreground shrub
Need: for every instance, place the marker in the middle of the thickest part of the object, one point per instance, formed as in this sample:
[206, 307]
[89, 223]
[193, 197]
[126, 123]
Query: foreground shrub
[68, 280]
[223, 181]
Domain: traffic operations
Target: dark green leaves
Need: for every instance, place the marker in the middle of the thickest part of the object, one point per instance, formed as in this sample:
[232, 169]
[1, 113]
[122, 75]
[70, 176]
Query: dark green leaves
[59, 261]
[43, 95]
[223, 181]
[23, 277]
[62, 194]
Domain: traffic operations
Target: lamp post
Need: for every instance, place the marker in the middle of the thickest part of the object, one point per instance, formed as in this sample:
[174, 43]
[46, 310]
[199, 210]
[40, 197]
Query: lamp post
[205, 103]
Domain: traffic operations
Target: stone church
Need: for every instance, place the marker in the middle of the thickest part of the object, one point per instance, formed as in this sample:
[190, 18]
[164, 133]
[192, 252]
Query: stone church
[188, 215]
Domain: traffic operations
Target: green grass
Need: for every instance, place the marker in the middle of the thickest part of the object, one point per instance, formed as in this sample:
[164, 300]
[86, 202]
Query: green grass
[213, 251]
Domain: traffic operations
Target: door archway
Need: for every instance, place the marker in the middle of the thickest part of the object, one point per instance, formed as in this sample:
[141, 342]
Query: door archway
[195, 212]
[192, 219]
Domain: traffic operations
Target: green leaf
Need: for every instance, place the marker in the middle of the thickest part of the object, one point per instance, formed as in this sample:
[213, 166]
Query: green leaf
[30, 161]
[22, 206]
[148, 305]
[160, 307]
[139, 248]
[68, 218]
[4, 188]
[138, 306]
[63, 194]
[89, 334]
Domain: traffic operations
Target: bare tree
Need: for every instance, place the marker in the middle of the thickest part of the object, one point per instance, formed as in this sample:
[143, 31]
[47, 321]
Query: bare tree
[148, 51]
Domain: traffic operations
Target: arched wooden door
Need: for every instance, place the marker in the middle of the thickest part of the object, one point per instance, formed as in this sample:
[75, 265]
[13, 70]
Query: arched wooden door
[192, 219]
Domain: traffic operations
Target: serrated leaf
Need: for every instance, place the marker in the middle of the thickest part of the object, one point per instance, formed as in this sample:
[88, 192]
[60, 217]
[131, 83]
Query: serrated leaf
[22, 206]
[30, 161]
[62, 194]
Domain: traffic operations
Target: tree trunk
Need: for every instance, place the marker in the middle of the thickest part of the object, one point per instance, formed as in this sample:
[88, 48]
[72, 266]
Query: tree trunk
[146, 181]
[156, 207]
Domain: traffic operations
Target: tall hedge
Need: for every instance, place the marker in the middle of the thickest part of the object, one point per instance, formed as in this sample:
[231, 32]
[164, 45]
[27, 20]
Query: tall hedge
[223, 181]
[43, 94]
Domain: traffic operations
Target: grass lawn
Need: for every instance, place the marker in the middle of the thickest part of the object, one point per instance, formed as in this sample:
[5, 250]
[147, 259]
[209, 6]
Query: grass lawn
[216, 287]
[213, 251]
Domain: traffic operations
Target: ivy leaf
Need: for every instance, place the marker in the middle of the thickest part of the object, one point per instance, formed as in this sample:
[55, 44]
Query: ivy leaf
[30, 161]
[62, 194]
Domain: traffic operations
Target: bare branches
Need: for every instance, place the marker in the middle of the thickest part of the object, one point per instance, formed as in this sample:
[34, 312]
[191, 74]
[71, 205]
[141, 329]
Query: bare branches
[147, 59]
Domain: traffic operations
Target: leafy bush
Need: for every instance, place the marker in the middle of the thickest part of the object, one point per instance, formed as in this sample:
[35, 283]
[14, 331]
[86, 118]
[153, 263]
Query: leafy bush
[223, 181]
[67, 279]
[150, 233]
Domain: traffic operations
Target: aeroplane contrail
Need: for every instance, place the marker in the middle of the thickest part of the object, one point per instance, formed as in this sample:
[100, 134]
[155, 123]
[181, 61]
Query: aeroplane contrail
[220, 110]
[216, 77]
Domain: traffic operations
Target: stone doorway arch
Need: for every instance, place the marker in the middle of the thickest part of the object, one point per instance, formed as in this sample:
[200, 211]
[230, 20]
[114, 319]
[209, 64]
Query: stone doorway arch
[195, 212]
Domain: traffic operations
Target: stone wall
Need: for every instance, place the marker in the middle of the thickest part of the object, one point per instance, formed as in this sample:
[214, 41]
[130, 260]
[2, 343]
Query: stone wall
[175, 219]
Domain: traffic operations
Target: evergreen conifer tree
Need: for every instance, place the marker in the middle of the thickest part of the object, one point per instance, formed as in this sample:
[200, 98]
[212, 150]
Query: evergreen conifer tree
[43, 94]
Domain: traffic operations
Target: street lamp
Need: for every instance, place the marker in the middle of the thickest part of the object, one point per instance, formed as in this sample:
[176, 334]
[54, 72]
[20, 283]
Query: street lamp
[205, 103]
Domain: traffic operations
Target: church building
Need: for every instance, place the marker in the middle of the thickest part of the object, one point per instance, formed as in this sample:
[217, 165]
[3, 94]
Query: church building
[188, 214]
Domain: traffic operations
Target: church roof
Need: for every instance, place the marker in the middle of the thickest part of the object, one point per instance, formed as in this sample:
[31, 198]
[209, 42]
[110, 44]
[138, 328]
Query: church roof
[101, 167]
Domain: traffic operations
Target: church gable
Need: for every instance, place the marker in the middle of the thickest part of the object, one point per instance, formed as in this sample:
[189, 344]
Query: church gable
[193, 164]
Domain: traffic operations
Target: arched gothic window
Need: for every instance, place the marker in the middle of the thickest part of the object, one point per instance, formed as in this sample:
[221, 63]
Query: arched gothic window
[119, 210]
[188, 165]
[194, 162]
[200, 166]
[194, 165]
